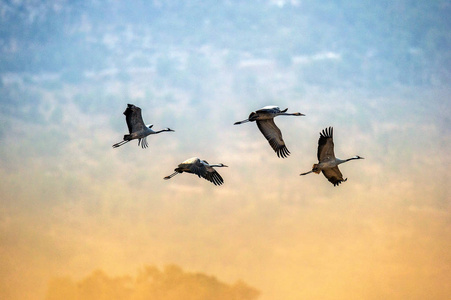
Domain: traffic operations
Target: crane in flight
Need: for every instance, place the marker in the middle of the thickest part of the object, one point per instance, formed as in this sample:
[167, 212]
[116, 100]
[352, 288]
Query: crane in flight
[328, 163]
[137, 128]
[201, 168]
[264, 118]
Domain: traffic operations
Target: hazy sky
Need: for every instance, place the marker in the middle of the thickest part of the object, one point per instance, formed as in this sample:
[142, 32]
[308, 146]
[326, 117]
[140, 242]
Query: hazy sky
[70, 204]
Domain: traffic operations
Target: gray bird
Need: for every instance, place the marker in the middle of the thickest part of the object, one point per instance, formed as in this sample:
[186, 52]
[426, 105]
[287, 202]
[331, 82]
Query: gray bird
[201, 168]
[264, 118]
[136, 127]
[328, 163]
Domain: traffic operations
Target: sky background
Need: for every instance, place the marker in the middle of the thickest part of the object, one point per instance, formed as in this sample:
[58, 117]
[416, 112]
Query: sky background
[79, 218]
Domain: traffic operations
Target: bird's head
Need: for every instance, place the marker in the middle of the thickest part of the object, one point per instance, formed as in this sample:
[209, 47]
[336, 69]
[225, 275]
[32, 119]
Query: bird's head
[222, 165]
[169, 129]
[358, 157]
[298, 114]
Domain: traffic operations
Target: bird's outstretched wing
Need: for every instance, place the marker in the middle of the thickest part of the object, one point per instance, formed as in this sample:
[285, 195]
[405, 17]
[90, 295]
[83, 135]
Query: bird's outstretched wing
[326, 145]
[198, 168]
[134, 118]
[334, 176]
[274, 136]
[213, 176]
[271, 109]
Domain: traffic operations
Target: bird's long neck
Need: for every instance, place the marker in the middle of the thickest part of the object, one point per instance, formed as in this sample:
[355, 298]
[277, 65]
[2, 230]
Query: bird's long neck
[155, 132]
[289, 114]
[216, 165]
[340, 161]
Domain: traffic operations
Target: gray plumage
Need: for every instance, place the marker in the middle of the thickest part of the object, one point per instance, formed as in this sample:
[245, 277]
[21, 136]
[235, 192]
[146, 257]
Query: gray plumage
[136, 127]
[327, 162]
[201, 168]
[264, 118]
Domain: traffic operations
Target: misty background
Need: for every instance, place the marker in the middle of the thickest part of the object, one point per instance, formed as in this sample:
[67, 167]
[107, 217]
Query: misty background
[377, 71]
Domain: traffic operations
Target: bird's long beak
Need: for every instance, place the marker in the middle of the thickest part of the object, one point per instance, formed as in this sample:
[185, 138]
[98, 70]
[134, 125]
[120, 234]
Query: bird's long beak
[225, 166]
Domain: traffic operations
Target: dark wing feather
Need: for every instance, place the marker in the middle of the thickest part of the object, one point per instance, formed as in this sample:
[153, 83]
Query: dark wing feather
[274, 136]
[334, 176]
[198, 168]
[134, 118]
[213, 176]
[270, 111]
[326, 145]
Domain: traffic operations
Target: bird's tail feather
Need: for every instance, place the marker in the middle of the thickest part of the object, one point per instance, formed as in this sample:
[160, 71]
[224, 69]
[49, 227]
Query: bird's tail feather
[143, 142]
[315, 169]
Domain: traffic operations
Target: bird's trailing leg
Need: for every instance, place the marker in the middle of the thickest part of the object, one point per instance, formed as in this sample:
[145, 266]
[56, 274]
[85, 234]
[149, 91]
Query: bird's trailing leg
[170, 176]
[315, 169]
[120, 144]
[306, 173]
[241, 122]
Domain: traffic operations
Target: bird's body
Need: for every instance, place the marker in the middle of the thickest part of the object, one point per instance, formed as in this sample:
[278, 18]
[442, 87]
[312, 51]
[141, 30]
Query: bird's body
[136, 127]
[264, 118]
[201, 168]
[327, 162]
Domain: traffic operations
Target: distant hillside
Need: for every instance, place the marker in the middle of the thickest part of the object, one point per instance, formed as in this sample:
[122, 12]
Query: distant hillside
[379, 43]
